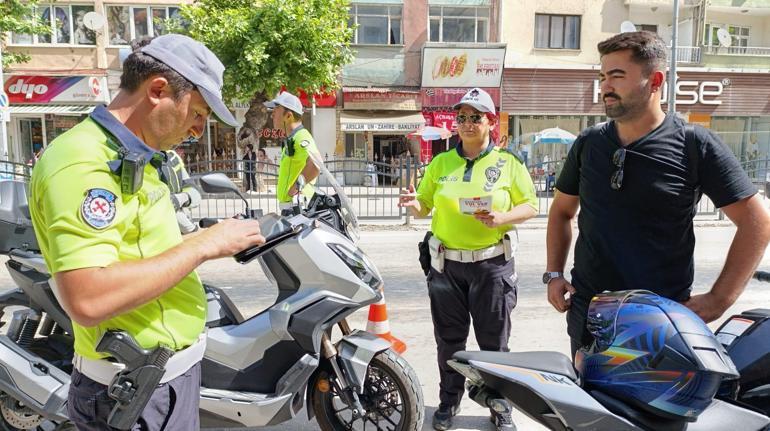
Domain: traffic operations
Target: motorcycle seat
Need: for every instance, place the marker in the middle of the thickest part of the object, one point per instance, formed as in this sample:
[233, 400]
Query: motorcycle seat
[549, 362]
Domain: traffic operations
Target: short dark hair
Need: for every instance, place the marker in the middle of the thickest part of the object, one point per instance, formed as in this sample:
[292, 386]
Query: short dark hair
[139, 67]
[647, 49]
[250, 147]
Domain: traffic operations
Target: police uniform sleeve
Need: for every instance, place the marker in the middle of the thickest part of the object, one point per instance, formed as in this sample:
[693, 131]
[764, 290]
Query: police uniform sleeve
[720, 174]
[569, 178]
[84, 213]
[522, 189]
[427, 187]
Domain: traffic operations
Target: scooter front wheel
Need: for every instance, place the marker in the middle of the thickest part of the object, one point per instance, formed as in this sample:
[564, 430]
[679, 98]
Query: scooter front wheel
[392, 398]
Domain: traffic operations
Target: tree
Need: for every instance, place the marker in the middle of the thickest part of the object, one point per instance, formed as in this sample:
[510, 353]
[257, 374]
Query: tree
[267, 44]
[19, 17]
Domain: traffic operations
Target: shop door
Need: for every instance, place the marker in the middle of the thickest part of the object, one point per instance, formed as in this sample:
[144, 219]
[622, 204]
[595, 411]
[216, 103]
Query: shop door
[31, 140]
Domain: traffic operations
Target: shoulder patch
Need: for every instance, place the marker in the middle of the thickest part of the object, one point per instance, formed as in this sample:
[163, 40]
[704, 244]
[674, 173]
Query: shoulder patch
[304, 143]
[98, 208]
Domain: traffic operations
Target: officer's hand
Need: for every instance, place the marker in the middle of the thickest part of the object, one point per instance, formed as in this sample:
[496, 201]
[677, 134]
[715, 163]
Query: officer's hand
[408, 198]
[708, 306]
[490, 219]
[557, 291]
[229, 237]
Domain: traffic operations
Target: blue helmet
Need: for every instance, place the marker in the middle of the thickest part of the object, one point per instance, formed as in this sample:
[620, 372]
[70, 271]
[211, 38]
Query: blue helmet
[652, 353]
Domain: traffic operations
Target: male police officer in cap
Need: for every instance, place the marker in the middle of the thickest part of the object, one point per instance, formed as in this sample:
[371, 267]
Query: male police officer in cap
[107, 230]
[287, 116]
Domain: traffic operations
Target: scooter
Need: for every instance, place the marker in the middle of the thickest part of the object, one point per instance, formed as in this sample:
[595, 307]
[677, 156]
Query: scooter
[547, 388]
[258, 371]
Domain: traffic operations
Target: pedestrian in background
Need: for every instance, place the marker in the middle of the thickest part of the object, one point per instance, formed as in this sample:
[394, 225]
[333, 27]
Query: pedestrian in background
[478, 193]
[637, 180]
[249, 161]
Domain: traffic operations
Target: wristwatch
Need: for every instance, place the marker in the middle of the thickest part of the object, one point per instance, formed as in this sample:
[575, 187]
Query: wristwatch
[548, 276]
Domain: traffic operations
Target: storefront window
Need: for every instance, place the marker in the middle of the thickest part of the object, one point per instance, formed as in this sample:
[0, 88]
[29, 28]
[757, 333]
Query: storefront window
[531, 125]
[125, 23]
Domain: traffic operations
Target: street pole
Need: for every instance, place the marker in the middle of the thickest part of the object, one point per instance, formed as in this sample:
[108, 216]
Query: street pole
[3, 129]
[672, 68]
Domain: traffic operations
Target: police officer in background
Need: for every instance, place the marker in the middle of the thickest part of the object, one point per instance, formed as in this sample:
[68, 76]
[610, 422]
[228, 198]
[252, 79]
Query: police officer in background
[106, 227]
[287, 116]
[478, 193]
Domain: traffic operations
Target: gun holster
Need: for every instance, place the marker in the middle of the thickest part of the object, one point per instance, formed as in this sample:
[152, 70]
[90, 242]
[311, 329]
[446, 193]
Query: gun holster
[132, 387]
[424, 250]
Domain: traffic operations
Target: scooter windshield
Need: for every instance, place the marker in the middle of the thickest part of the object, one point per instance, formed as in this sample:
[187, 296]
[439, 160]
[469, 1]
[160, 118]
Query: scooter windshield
[348, 215]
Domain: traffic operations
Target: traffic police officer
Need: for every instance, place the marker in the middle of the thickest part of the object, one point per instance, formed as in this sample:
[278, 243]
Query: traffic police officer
[478, 193]
[106, 228]
[295, 161]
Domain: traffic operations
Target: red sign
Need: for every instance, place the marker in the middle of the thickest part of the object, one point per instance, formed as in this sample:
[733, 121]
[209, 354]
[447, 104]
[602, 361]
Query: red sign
[447, 97]
[445, 119]
[55, 89]
[322, 100]
[397, 100]
[268, 133]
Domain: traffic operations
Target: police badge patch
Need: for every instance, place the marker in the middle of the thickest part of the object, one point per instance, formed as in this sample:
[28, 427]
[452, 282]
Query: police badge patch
[98, 208]
[493, 174]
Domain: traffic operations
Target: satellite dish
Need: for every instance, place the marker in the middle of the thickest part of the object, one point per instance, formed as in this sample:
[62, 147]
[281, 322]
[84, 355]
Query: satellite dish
[627, 27]
[724, 38]
[93, 21]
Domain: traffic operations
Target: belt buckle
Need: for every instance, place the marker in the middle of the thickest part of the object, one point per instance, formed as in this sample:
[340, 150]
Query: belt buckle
[466, 256]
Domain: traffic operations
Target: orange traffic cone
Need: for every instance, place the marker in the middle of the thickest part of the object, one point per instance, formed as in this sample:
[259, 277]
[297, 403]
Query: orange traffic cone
[378, 324]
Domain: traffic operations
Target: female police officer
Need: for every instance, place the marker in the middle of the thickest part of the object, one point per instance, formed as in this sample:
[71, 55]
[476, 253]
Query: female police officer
[478, 193]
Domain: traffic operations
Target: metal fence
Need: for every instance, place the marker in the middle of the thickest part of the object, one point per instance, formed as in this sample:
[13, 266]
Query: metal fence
[373, 187]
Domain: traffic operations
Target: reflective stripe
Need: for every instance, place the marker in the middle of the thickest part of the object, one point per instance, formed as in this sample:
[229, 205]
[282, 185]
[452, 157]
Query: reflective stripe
[378, 327]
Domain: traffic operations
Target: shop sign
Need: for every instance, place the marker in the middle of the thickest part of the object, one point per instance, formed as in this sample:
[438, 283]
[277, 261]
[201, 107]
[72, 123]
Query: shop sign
[447, 97]
[462, 67]
[687, 92]
[380, 127]
[56, 89]
[392, 100]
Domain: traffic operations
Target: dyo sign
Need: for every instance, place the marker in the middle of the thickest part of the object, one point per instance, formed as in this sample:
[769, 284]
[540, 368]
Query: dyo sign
[687, 92]
[28, 90]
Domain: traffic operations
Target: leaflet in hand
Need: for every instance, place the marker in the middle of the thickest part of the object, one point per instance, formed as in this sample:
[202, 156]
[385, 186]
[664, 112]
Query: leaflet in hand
[476, 205]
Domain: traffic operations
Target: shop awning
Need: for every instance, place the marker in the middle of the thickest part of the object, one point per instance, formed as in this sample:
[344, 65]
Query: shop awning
[52, 109]
[397, 124]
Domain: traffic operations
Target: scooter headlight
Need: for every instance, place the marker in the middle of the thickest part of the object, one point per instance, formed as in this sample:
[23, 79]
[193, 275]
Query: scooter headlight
[359, 264]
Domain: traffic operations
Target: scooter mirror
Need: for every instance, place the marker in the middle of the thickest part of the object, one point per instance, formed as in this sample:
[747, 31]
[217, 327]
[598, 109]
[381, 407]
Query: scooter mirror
[220, 183]
[217, 183]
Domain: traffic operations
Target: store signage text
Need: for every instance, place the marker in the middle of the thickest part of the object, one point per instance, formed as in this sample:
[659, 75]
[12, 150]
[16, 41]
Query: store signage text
[28, 90]
[687, 92]
[380, 127]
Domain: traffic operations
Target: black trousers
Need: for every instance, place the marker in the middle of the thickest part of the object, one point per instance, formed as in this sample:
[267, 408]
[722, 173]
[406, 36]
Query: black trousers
[251, 181]
[482, 292]
[172, 407]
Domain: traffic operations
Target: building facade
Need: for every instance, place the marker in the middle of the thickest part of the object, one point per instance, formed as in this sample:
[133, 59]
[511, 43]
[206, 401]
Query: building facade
[723, 60]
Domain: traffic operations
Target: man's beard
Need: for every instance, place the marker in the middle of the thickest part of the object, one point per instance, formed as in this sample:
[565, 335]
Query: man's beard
[628, 108]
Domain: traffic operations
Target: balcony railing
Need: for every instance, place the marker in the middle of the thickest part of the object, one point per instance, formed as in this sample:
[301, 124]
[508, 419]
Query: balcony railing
[754, 51]
[687, 54]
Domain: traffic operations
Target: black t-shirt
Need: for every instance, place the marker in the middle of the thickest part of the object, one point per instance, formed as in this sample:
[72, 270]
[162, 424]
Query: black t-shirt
[641, 236]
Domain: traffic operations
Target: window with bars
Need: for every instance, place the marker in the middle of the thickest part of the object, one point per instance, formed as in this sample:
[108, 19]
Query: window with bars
[66, 23]
[125, 23]
[557, 31]
[458, 24]
[377, 25]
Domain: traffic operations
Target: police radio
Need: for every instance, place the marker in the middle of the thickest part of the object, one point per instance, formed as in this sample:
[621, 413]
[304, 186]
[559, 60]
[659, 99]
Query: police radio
[131, 172]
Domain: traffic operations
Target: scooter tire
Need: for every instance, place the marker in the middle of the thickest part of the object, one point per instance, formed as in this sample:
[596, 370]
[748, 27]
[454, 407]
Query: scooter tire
[399, 372]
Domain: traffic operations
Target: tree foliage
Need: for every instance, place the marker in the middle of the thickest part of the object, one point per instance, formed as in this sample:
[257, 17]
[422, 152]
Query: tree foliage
[19, 17]
[267, 44]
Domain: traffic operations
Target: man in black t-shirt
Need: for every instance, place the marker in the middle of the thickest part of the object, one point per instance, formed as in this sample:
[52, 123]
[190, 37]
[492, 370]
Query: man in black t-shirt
[637, 180]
